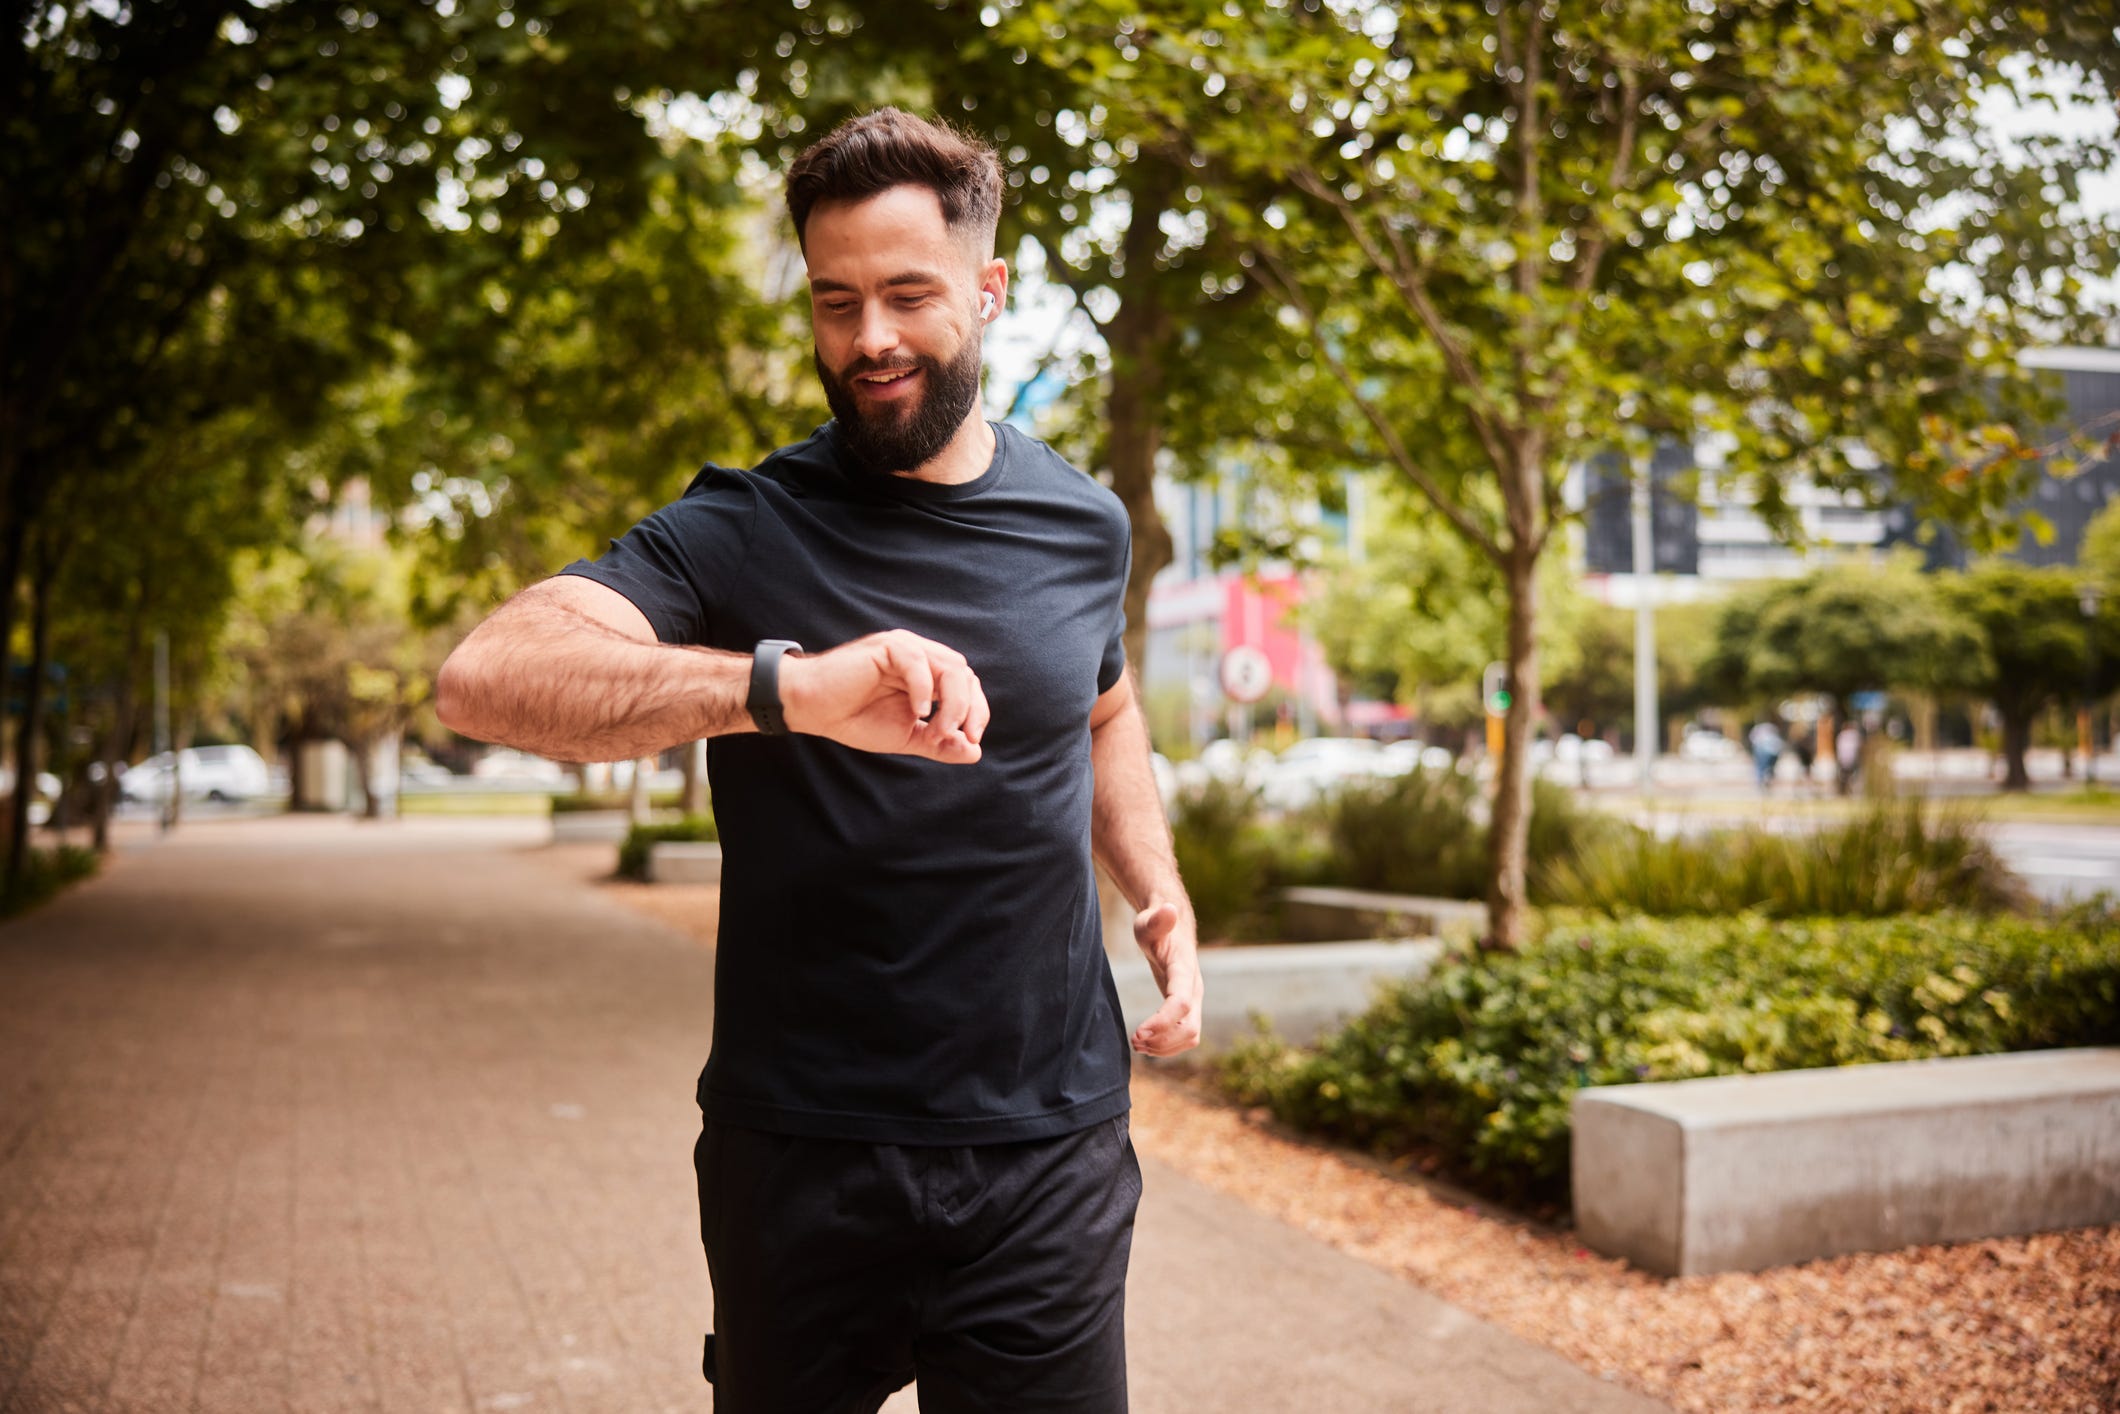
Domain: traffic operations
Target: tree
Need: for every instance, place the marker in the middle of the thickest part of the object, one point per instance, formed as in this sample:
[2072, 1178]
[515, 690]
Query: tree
[1519, 235]
[2035, 647]
[327, 650]
[1842, 630]
[1419, 609]
[1107, 186]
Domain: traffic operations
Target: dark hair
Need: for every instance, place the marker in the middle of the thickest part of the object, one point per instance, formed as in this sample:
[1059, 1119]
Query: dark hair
[889, 148]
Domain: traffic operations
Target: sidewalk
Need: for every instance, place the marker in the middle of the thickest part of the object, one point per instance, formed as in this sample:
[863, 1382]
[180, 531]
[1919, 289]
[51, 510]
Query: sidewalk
[310, 1116]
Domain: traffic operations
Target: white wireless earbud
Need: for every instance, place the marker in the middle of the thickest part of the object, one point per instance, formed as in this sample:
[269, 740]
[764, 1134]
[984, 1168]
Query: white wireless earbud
[986, 304]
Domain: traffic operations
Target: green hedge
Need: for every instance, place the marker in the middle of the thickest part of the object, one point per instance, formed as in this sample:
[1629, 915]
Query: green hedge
[1479, 1061]
[633, 850]
[1893, 858]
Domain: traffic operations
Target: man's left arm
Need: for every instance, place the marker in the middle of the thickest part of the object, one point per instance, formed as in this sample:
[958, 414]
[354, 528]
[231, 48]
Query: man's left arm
[1130, 838]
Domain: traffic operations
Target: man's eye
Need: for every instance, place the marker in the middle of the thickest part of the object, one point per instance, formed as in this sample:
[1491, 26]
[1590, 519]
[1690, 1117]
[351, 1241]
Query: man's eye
[913, 301]
[838, 306]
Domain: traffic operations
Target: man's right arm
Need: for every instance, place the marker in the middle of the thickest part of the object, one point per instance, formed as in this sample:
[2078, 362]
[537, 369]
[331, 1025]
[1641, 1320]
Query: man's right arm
[571, 670]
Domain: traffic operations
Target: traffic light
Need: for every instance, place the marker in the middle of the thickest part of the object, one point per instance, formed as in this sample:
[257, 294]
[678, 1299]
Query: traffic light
[1495, 690]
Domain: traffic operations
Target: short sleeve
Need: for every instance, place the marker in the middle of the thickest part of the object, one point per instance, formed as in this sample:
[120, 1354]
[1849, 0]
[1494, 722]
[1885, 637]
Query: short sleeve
[1113, 666]
[677, 564]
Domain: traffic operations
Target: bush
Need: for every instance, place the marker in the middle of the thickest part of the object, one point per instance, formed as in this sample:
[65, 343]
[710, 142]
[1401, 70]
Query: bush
[1410, 834]
[44, 873]
[633, 850]
[1896, 857]
[1480, 1060]
[1227, 858]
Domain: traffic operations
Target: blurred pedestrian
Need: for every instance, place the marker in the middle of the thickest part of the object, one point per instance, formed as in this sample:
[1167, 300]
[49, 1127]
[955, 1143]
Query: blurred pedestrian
[1767, 746]
[1847, 753]
[914, 1161]
[1804, 742]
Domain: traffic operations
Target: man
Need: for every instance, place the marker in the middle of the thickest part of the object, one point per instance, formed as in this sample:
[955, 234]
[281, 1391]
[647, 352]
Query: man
[903, 637]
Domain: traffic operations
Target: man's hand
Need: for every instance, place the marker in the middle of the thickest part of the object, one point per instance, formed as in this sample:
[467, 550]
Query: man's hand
[889, 692]
[1165, 935]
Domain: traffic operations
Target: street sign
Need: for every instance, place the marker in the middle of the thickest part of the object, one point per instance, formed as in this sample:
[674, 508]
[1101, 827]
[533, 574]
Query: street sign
[1246, 674]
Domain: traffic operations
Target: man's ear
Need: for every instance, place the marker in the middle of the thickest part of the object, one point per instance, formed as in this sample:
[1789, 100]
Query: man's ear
[993, 288]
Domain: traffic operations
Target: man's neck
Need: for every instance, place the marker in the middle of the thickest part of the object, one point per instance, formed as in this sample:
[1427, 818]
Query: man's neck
[965, 457]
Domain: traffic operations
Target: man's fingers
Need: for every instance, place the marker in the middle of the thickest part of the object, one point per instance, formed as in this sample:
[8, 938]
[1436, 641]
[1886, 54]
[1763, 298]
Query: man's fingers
[1175, 1027]
[906, 659]
[956, 689]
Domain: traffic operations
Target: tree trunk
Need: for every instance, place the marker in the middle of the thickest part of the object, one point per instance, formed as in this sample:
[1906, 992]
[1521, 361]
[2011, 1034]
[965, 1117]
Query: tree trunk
[363, 752]
[2016, 740]
[637, 802]
[114, 751]
[695, 792]
[1509, 827]
[1138, 337]
[11, 548]
[32, 722]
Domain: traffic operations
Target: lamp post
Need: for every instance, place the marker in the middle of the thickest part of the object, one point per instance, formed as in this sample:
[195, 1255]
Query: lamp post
[2086, 738]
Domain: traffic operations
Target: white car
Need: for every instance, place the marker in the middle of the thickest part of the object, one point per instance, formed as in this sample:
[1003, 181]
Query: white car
[1312, 767]
[1706, 744]
[203, 773]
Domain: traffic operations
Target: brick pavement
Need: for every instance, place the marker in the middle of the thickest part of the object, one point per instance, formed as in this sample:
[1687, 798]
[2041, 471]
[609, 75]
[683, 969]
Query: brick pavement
[305, 1115]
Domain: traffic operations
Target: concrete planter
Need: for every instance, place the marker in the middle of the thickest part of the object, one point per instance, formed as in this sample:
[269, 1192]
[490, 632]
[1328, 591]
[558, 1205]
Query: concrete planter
[1742, 1172]
[683, 862]
[590, 826]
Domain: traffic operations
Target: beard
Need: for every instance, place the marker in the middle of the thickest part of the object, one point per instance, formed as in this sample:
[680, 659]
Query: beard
[890, 437]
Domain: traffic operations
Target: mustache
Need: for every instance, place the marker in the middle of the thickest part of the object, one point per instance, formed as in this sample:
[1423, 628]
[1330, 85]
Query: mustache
[865, 364]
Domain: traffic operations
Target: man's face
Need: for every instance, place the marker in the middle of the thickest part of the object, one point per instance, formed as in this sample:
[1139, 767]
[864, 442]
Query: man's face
[894, 302]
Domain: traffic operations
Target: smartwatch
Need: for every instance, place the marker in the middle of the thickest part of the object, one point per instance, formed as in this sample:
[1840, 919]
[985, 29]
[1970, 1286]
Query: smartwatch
[764, 701]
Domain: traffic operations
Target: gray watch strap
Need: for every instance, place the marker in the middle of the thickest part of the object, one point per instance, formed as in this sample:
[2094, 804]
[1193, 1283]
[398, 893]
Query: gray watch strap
[764, 701]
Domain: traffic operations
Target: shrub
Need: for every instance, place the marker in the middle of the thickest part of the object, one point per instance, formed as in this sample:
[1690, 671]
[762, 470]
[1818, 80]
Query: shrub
[44, 873]
[1895, 857]
[1410, 834]
[1226, 855]
[1481, 1060]
[633, 850]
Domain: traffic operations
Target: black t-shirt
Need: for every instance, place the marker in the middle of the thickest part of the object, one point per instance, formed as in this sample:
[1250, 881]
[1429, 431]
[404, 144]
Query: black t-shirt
[909, 952]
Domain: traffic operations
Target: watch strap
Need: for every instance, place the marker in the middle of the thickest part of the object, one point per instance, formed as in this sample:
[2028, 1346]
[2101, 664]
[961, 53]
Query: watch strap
[764, 701]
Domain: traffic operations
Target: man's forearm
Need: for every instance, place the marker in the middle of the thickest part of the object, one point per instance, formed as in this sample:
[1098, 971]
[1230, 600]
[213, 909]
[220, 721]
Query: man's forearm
[1129, 834]
[545, 677]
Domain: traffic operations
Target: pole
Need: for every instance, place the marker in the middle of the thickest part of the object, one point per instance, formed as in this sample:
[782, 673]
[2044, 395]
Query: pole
[162, 746]
[1647, 727]
[2086, 737]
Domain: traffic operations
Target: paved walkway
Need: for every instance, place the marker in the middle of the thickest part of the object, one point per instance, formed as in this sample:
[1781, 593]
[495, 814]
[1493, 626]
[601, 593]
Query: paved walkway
[308, 1116]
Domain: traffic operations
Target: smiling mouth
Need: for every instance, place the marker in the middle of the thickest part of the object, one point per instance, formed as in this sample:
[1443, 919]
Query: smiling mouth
[886, 378]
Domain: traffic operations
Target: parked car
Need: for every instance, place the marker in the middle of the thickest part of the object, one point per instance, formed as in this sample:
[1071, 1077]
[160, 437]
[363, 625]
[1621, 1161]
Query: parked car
[1707, 744]
[1310, 768]
[203, 773]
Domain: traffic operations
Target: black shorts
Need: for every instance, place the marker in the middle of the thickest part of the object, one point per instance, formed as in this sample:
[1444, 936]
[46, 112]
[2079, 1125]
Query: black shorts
[995, 1274]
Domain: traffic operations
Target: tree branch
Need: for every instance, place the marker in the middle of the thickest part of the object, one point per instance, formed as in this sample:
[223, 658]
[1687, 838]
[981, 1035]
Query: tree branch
[1405, 277]
[1455, 514]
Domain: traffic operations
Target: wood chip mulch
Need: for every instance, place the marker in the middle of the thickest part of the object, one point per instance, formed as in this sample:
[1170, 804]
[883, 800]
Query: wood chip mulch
[2024, 1325]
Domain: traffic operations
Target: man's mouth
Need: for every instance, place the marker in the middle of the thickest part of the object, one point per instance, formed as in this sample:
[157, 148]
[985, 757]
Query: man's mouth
[886, 377]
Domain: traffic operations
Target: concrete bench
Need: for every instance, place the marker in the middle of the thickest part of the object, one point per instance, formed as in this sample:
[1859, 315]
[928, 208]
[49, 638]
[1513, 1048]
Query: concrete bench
[590, 826]
[1737, 1173]
[1304, 989]
[684, 862]
[1323, 915]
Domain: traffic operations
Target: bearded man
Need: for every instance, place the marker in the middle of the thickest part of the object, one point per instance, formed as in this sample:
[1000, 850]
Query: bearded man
[902, 637]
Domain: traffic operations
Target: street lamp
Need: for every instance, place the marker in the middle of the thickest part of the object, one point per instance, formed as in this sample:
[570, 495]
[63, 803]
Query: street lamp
[2087, 599]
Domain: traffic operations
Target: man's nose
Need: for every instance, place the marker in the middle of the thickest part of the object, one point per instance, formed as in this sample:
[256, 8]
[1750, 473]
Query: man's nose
[878, 333]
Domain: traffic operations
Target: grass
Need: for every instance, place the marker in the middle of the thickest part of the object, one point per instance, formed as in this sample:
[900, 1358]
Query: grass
[470, 803]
